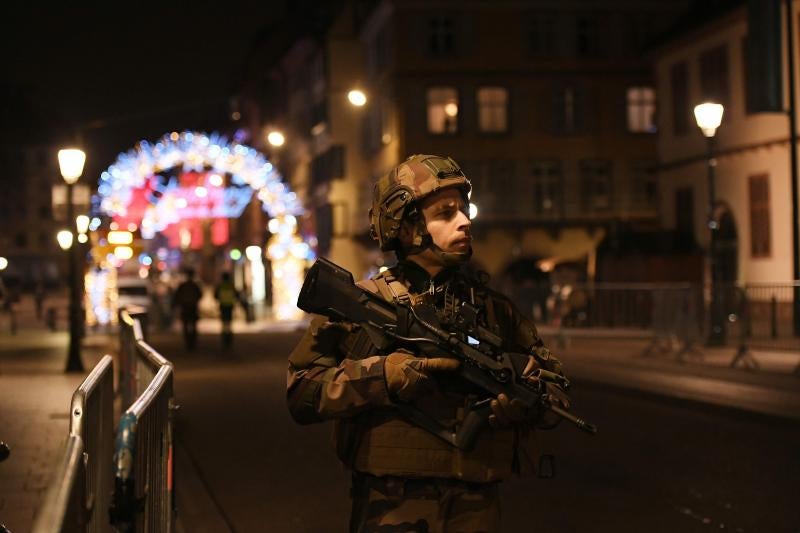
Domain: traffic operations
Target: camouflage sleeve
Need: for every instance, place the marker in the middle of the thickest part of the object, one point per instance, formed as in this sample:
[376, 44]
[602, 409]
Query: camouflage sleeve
[526, 336]
[322, 383]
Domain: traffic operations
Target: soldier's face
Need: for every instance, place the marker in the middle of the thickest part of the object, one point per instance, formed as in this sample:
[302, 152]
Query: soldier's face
[447, 220]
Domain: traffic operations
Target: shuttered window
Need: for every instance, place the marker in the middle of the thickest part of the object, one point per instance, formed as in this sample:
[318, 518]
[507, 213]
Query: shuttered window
[760, 237]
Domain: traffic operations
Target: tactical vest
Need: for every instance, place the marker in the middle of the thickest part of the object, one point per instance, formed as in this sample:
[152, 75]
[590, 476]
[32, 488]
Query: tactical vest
[379, 442]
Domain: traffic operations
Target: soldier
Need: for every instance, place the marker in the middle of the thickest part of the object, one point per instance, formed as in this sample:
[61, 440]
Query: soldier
[404, 478]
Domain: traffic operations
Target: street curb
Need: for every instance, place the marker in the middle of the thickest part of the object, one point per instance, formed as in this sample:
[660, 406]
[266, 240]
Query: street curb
[706, 390]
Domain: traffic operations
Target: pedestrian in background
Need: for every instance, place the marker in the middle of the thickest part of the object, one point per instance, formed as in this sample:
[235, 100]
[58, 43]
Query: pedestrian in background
[227, 296]
[39, 294]
[187, 299]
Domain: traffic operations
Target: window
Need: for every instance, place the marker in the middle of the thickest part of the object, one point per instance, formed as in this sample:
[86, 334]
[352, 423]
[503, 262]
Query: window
[546, 176]
[595, 184]
[379, 51]
[684, 210]
[566, 111]
[440, 36]
[588, 36]
[443, 110]
[21, 240]
[644, 179]
[714, 75]
[679, 82]
[760, 240]
[542, 34]
[493, 109]
[641, 105]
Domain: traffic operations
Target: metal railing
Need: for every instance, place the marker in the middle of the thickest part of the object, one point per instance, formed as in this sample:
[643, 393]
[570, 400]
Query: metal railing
[751, 316]
[79, 496]
[143, 495]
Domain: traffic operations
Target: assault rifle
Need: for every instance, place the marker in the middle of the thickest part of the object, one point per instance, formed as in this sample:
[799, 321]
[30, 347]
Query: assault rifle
[329, 290]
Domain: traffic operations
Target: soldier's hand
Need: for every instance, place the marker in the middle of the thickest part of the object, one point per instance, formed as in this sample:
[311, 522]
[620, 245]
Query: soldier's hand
[507, 412]
[408, 377]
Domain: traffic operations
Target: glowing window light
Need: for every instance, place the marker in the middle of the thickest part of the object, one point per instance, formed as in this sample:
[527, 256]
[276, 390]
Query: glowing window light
[123, 253]
[82, 238]
[451, 109]
[215, 180]
[3, 263]
[120, 237]
[273, 225]
[235, 254]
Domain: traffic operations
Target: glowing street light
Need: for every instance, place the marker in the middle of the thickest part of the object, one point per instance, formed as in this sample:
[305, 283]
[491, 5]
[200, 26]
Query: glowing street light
[82, 223]
[357, 97]
[276, 138]
[64, 238]
[709, 116]
[70, 164]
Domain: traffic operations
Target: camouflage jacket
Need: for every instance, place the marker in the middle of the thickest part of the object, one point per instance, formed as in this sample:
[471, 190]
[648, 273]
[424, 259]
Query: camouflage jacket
[336, 373]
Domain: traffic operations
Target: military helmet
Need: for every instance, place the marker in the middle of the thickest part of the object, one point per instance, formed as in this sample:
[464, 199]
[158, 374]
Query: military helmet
[396, 195]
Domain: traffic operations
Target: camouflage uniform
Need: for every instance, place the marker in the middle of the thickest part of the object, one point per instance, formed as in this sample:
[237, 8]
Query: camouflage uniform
[404, 478]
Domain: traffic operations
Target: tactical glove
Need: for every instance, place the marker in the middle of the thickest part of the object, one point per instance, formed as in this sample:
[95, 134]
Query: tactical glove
[409, 377]
[506, 412]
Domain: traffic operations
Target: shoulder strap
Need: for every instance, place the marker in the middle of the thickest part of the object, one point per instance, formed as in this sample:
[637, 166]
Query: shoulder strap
[390, 288]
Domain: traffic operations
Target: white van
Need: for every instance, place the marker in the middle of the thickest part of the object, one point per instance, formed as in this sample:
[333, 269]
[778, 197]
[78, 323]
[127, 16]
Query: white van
[133, 291]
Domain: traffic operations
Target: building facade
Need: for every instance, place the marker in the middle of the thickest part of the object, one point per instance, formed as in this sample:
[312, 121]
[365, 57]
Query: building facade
[548, 106]
[752, 186]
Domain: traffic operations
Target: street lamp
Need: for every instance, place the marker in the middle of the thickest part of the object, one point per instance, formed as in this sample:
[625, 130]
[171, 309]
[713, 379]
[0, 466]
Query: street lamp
[709, 116]
[357, 97]
[276, 138]
[70, 163]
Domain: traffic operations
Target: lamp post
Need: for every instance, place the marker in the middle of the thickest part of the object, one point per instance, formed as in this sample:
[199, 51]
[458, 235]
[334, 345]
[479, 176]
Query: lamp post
[709, 116]
[70, 162]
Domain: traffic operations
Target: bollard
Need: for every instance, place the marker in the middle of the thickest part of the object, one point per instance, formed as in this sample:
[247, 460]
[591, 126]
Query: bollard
[773, 317]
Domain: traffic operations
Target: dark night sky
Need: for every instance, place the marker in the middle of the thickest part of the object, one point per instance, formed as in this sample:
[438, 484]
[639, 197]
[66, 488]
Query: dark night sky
[136, 72]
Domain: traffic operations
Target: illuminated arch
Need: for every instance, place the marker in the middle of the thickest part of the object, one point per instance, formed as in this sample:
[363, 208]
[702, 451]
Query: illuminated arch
[198, 152]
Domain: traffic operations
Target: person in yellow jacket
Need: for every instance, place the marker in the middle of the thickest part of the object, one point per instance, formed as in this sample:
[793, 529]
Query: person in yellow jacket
[405, 478]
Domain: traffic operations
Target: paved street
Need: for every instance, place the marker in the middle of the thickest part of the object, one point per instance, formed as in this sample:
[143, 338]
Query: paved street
[656, 465]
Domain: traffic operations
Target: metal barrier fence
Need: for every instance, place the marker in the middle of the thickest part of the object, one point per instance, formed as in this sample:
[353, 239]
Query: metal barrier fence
[143, 495]
[79, 497]
[751, 316]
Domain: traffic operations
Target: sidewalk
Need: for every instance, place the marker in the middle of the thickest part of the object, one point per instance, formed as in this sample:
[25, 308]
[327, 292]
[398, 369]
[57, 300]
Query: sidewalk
[704, 375]
[35, 394]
